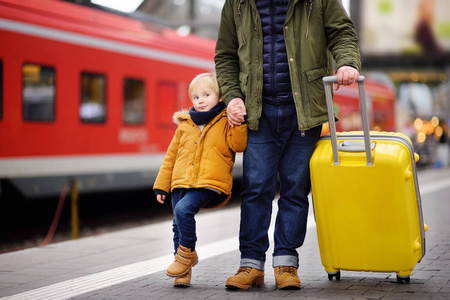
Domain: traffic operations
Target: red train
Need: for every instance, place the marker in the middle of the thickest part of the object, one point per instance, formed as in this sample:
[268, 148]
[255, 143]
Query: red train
[88, 94]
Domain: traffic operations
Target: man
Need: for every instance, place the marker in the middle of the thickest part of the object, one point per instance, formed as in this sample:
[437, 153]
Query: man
[270, 58]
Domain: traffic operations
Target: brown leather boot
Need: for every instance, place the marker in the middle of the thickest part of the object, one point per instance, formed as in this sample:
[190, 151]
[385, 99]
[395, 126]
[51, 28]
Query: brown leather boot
[245, 278]
[183, 281]
[287, 278]
[185, 259]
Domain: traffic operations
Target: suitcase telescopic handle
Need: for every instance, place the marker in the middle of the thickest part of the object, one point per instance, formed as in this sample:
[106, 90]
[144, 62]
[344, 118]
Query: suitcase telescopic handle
[327, 81]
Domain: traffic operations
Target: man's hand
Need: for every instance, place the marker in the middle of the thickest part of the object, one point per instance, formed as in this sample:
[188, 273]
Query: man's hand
[346, 75]
[236, 111]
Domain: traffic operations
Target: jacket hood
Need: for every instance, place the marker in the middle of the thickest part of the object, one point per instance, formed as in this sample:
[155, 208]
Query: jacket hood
[181, 115]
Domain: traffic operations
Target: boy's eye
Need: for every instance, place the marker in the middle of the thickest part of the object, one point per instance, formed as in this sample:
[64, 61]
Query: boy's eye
[206, 95]
[195, 97]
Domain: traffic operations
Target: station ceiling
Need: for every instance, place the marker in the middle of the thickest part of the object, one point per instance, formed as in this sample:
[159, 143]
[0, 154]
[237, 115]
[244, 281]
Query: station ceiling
[190, 16]
[202, 17]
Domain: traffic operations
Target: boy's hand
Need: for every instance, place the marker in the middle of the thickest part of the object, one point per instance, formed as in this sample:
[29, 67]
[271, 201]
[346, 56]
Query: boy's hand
[238, 111]
[160, 198]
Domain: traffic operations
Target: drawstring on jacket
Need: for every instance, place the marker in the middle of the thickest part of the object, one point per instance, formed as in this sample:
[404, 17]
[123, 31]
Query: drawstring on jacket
[309, 15]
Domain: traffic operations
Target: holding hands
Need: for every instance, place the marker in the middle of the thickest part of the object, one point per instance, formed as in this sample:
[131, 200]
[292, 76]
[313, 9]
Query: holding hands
[236, 111]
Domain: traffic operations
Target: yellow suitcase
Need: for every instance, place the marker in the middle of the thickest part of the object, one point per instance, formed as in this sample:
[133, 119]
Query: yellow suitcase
[366, 199]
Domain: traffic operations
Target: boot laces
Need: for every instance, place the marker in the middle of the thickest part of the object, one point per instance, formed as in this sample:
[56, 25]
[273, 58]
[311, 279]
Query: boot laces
[246, 270]
[286, 269]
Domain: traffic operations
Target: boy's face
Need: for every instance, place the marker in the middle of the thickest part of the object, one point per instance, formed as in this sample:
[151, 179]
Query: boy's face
[204, 98]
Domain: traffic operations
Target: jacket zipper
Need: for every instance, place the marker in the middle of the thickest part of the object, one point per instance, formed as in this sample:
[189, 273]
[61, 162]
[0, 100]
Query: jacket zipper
[259, 68]
[242, 22]
[309, 15]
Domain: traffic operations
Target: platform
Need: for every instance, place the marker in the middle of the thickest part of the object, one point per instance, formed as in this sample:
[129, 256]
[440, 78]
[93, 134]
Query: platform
[130, 264]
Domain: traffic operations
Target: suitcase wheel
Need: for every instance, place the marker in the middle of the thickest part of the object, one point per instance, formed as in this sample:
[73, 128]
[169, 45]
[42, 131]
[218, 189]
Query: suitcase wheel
[335, 274]
[402, 279]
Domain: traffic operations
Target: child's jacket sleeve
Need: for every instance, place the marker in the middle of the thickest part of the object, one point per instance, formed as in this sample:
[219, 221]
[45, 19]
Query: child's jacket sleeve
[237, 138]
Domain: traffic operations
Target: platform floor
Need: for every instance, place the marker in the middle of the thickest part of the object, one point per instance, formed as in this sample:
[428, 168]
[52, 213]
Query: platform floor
[130, 264]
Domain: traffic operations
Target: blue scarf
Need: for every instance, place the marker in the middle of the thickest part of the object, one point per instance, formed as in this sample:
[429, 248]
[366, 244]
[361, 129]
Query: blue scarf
[203, 117]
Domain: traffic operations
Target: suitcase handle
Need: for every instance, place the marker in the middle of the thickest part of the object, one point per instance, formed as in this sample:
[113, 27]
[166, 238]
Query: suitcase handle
[327, 81]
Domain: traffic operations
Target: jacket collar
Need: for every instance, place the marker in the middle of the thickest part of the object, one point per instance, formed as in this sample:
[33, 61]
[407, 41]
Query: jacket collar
[183, 115]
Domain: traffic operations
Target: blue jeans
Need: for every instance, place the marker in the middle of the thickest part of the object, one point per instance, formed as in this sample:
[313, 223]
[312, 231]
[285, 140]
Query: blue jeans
[186, 203]
[276, 150]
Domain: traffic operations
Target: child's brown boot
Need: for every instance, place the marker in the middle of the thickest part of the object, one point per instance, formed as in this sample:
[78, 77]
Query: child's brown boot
[185, 259]
[183, 281]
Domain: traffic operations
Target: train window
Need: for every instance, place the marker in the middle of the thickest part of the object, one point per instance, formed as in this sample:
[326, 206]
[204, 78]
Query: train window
[1, 89]
[133, 112]
[38, 92]
[93, 98]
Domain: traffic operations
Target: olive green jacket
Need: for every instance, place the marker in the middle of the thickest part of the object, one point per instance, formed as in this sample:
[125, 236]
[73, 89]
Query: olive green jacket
[314, 32]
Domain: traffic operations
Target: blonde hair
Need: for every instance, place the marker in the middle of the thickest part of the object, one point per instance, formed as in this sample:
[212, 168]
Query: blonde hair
[207, 80]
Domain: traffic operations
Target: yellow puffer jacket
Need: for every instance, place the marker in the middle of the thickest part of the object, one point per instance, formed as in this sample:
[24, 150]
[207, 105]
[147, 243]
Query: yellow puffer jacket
[201, 159]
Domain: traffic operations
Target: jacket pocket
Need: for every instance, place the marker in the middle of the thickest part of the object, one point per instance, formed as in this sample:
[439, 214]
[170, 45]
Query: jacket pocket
[218, 167]
[243, 80]
[316, 92]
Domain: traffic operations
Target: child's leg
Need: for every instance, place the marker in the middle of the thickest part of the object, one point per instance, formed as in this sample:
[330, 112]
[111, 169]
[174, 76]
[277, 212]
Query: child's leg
[186, 209]
[186, 205]
[177, 194]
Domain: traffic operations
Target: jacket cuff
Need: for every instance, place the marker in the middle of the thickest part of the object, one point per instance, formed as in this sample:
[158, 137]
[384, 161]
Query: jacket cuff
[350, 64]
[227, 99]
[161, 192]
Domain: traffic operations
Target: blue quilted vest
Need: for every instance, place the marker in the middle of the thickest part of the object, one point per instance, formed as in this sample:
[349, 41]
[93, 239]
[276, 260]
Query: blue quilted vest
[277, 83]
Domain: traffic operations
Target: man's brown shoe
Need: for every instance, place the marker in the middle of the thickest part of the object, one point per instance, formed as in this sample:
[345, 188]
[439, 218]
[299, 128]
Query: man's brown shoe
[185, 259]
[245, 278]
[183, 281]
[287, 278]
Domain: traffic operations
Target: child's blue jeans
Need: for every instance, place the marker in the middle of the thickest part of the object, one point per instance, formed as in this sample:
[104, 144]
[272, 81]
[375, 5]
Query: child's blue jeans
[186, 203]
